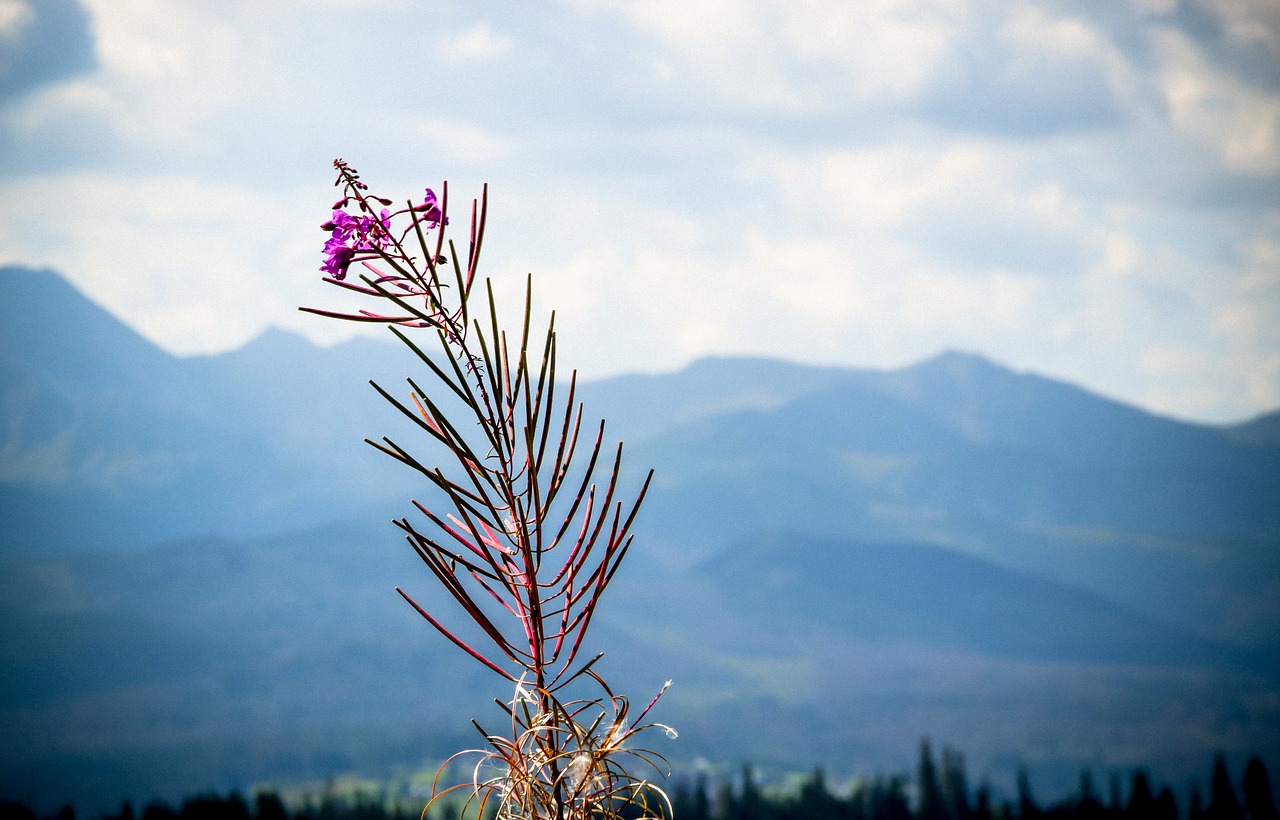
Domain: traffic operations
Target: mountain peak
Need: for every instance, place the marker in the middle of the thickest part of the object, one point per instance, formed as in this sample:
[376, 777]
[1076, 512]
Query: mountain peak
[274, 340]
[963, 367]
[961, 361]
[50, 324]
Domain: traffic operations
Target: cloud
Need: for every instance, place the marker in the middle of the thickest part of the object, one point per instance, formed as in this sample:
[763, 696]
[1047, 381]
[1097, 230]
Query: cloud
[1241, 36]
[1239, 123]
[1082, 188]
[957, 205]
[1035, 75]
[773, 59]
[195, 267]
[41, 42]
[478, 43]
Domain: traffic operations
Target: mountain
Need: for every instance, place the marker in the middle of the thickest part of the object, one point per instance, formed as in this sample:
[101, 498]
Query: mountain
[1264, 430]
[53, 332]
[782, 584]
[206, 663]
[1178, 520]
[211, 662]
[196, 569]
[110, 443]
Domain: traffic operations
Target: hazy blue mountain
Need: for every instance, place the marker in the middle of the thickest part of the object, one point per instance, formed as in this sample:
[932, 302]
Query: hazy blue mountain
[52, 330]
[785, 584]
[644, 406]
[1264, 429]
[208, 662]
[197, 566]
[110, 443]
[1198, 479]
[1183, 524]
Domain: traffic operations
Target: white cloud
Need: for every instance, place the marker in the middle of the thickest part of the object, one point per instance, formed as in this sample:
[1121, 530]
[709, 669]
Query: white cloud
[170, 71]
[479, 42]
[194, 267]
[1240, 123]
[961, 204]
[789, 57]
[15, 15]
[460, 142]
[884, 49]
[1248, 22]
[853, 183]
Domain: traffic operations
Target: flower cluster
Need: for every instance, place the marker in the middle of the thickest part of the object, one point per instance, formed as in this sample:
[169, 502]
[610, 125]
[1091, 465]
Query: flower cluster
[368, 236]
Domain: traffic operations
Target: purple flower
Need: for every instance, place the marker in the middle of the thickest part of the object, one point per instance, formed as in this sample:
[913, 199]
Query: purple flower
[342, 224]
[349, 234]
[373, 234]
[338, 257]
[430, 210]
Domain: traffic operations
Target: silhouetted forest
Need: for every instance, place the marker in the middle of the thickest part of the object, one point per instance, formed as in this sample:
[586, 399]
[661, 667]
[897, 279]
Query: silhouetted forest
[939, 791]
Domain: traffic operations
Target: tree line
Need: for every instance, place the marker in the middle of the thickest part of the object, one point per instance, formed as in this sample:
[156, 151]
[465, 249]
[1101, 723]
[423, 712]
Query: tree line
[939, 791]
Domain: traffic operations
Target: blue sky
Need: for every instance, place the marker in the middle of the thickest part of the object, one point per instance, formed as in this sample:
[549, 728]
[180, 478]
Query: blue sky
[1086, 189]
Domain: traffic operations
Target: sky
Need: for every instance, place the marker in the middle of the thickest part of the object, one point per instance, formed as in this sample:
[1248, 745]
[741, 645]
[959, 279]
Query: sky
[1088, 190]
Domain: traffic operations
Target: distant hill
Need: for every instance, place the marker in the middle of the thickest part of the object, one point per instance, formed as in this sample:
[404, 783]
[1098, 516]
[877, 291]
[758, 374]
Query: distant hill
[1179, 521]
[211, 663]
[1263, 430]
[196, 569]
[109, 443]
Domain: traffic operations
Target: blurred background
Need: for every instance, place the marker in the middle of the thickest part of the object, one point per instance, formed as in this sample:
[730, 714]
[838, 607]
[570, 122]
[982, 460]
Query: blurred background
[951, 328]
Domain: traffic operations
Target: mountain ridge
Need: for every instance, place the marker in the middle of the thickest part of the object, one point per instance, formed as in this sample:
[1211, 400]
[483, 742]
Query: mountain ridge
[1042, 476]
[29, 287]
[1017, 546]
[265, 641]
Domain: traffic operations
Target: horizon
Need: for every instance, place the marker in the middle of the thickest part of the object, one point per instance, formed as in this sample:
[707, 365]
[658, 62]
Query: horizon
[678, 367]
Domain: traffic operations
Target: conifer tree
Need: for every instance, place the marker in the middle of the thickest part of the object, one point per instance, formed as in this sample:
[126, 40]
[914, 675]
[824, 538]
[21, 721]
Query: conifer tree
[1142, 802]
[1089, 807]
[1027, 808]
[750, 807]
[159, 811]
[955, 787]
[726, 802]
[690, 800]
[930, 804]
[815, 800]
[1223, 802]
[1196, 810]
[1258, 798]
[1166, 805]
[982, 803]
